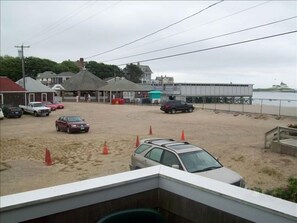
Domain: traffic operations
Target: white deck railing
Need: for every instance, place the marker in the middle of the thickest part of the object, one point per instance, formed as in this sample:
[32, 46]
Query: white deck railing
[247, 204]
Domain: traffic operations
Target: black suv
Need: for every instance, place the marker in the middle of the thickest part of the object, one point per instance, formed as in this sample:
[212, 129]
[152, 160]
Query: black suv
[176, 105]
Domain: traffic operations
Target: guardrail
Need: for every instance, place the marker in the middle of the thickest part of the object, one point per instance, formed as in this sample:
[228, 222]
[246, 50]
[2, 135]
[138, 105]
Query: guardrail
[278, 134]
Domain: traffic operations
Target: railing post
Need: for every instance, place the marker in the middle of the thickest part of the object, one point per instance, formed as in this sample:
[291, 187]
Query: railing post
[278, 134]
[279, 109]
[261, 105]
[203, 101]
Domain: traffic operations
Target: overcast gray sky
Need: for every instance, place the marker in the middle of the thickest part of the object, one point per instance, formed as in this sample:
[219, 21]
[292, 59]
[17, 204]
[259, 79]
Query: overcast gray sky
[62, 30]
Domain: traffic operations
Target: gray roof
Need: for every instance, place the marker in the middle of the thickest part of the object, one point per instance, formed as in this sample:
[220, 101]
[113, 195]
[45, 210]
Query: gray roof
[83, 81]
[121, 85]
[146, 87]
[66, 74]
[46, 74]
[34, 85]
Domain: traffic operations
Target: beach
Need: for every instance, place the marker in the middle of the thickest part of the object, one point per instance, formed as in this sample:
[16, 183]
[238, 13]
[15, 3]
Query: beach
[235, 138]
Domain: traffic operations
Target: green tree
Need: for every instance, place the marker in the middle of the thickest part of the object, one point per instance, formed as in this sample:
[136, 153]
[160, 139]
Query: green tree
[103, 70]
[66, 66]
[133, 73]
[35, 65]
[11, 67]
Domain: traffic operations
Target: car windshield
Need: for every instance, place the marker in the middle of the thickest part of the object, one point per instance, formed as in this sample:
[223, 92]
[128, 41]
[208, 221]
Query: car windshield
[199, 161]
[37, 105]
[74, 119]
[14, 109]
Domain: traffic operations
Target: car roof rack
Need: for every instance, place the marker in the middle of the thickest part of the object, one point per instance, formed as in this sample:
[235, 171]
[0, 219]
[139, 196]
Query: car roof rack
[174, 143]
[152, 141]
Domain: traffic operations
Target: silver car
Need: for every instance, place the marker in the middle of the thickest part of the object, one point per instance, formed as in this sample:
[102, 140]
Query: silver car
[183, 156]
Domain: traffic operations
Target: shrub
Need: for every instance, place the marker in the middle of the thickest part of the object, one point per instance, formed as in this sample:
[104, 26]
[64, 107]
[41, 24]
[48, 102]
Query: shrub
[288, 193]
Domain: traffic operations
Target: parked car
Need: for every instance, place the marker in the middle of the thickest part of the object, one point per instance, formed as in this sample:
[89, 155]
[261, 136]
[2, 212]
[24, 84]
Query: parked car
[59, 105]
[1, 114]
[71, 124]
[50, 105]
[183, 156]
[10, 111]
[174, 106]
[36, 109]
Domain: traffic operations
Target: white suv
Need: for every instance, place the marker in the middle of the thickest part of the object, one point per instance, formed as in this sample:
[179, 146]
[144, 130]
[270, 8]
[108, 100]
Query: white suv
[183, 156]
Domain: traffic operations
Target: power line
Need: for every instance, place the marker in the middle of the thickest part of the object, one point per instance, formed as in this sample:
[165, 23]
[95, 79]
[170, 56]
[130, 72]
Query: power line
[153, 33]
[62, 20]
[201, 40]
[70, 27]
[213, 21]
[211, 48]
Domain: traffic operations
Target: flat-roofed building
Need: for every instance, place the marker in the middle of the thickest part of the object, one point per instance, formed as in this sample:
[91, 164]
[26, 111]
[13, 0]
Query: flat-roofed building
[207, 92]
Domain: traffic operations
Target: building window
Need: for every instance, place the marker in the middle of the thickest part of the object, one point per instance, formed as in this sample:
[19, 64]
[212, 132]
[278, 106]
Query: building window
[31, 97]
[1, 99]
[44, 96]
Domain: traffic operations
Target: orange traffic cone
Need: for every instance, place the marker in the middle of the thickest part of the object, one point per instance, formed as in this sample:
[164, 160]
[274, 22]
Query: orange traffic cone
[48, 159]
[137, 142]
[151, 132]
[105, 149]
[182, 137]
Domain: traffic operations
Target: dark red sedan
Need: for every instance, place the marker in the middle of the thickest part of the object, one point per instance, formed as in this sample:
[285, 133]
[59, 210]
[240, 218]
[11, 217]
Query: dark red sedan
[71, 124]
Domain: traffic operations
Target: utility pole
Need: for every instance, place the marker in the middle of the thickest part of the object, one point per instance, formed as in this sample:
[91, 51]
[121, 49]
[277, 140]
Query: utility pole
[21, 55]
[23, 67]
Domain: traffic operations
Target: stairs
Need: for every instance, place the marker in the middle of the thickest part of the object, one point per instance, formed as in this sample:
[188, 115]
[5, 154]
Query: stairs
[282, 140]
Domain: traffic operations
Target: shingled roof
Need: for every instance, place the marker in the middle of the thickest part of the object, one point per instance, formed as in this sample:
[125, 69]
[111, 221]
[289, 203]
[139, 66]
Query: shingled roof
[83, 81]
[121, 85]
[7, 85]
[46, 74]
[33, 85]
[65, 74]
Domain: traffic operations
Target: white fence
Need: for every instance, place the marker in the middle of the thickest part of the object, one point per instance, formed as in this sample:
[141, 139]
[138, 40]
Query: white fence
[278, 107]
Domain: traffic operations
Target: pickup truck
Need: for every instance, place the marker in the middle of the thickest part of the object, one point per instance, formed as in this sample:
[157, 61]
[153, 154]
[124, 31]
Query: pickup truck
[36, 109]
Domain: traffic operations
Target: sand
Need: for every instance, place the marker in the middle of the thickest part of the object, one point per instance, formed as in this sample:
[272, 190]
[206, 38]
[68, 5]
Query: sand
[236, 139]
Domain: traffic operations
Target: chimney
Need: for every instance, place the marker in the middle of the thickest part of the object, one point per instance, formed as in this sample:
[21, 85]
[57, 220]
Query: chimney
[81, 64]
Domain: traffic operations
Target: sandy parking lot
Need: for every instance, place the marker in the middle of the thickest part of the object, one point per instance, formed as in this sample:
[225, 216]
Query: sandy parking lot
[236, 139]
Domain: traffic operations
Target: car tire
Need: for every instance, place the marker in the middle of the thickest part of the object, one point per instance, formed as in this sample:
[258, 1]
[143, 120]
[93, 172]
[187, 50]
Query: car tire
[68, 130]
[173, 111]
[35, 114]
[47, 114]
[57, 128]
[190, 110]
